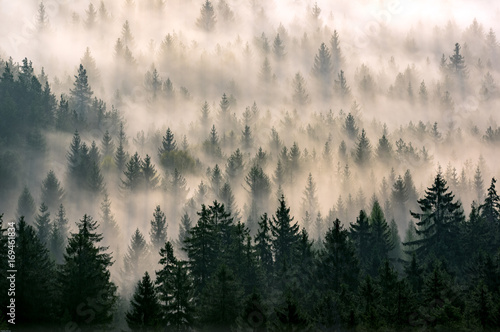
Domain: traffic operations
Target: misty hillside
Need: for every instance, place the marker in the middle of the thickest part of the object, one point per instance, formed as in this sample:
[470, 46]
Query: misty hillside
[250, 165]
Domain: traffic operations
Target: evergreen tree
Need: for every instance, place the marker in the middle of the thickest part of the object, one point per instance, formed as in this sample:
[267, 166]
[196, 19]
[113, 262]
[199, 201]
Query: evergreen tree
[479, 185]
[42, 19]
[263, 244]
[380, 237]
[25, 205]
[184, 229]
[59, 235]
[158, 233]
[135, 261]
[207, 19]
[42, 224]
[350, 126]
[337, 57]
[148, 170]
[360, 233]
[221, 300]
[285, 237]
[384, 150]
[121, 155]
[175, 291]
[234, 166]
[457, 64]
[85, 275]
[341, 87]
[246, 138]
[322, 68]
[438, 223]
[300, 95]
[278, 48]
[144, 314]
[133, 173]
[81, 94]
[310, 200]
[168, 143]
[363, 150]
[52, 192]
[35, 287]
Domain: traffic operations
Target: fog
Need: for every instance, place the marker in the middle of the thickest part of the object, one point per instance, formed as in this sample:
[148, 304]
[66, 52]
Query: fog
[387, 47]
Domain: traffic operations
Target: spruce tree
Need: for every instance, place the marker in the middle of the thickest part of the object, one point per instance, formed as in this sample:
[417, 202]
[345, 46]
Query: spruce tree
[135, 261]
[300, 95]
[207, 19]
[380, 237]
[158, 233]
[438, 223]
[134, 178]
[278, 48]
[363, 150]
[285, 237]
[25, 205]
[85, 275]
[148, 170]
[121, 154]
[174, 288]
[144, 314]
[81, 94]
[360, 233]
[184, 230]
[322, 67]
[263, 244]
[42, 224]
[35, 279]
[52, 192]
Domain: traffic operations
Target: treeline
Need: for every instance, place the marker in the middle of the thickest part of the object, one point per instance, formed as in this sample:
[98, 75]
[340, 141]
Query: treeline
[446, 278]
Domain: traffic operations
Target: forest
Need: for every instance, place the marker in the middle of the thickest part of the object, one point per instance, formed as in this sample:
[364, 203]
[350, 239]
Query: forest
[259, 165]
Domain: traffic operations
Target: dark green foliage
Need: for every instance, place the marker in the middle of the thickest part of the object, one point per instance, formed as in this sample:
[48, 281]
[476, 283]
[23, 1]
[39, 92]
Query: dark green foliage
[350, 126]
[158, 232]
[81, 93]
[438, 223]
[184, 228]
[384, 150]
[360, 233]
[42, 224]
[84, 276]
[363, 150]
[144, 313]
[289, 317]
[285, 238]
[59, 235]
[175, 290]
[35, 279]
[121, 154]
[221, 300]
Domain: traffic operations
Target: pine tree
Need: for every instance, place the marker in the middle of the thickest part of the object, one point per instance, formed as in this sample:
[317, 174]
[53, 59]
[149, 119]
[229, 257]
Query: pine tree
[363, 150]
[360, 233]
[135, 261]
[81, 94]
[310, 200]
[42, 19]
[35, 287]
[59, 235]
[168, 143]
[91, 19]
[207, 19]
[479, 185]
[278, 48]
[263, 244]
[42, 223]
[384, 150]
[134, 178]
[285, 237]
[490, 209]
[121, 155]
[338, 264]
[25, 205]
[341, 87]
[246, 138]
[322, 68]
[85, 274]
[52, 192]
[457, 64]
[300, 95]
[148, 170]
[337, 57]
[175, 291]
[380, 237]
[438, 223]
[221, 300]
[144, 314]
[234, 166]
[184, 230]
[158, 233]
[350, 126]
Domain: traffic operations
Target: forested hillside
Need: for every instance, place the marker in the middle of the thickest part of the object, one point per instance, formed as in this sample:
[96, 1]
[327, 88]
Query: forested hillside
[249, 166]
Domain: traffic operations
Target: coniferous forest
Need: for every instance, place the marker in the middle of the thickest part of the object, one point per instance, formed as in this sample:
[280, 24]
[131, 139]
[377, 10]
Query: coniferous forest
[259, 165]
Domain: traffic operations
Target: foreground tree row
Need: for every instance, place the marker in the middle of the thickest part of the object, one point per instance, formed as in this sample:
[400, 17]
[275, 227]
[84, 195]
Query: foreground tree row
[279, 280]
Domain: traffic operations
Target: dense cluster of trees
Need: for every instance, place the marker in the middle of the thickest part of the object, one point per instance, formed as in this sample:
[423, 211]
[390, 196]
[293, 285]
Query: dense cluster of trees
[273, 182]
[359, 275]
